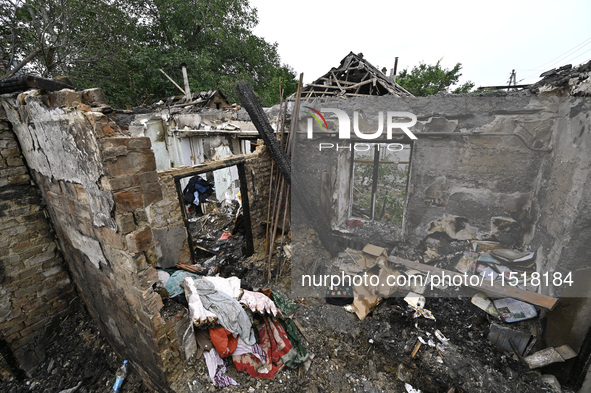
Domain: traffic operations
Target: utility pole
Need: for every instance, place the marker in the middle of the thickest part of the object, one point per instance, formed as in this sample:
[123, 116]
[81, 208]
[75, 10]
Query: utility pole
[186, 80]
[512, 80]
[395, 69]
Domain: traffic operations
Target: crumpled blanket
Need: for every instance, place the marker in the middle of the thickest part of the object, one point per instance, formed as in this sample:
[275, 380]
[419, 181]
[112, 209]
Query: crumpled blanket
[174, 285]
[230, 313]
[274, 344]
[258, 301]
[298, 354]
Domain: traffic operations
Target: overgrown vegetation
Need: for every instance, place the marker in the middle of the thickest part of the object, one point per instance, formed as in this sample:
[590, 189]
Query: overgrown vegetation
[120, 45]
[424, 80]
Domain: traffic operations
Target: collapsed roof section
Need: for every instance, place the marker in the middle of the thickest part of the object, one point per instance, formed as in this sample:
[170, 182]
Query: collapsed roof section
[212, 99]
[354, 77]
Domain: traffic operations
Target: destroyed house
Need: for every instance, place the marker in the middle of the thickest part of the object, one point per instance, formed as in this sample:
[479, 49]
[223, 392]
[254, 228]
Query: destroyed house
[354, 77]
[98, 205]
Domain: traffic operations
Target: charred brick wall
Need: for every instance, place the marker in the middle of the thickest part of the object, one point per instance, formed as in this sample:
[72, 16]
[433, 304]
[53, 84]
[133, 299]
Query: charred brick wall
[35, 286]
[167, 223]
[168, 227]
[258, 174]
[99, 183]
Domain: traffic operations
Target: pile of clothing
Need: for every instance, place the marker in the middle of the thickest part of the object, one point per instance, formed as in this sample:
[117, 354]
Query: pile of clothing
[197, 191]
[253, 329]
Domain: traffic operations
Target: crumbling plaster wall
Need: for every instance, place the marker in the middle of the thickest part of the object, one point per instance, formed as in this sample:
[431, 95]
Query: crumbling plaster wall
[99, 183]
[484, 186]
[495, 187]
[563, 229]
[463, 186]
[35, 286]
[477, 186]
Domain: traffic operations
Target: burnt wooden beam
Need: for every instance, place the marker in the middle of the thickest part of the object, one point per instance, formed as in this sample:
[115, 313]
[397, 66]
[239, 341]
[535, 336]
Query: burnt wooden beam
[503, 87]
[298, 188]
[249, 245]
[180, 172]
[261, 122]
[27, 82]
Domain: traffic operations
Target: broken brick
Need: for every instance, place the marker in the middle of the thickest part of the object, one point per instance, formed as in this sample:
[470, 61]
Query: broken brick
[128, 200]
[139, 241]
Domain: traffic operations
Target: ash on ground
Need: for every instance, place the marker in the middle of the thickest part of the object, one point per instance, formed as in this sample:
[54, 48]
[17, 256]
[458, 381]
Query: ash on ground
[78, 359]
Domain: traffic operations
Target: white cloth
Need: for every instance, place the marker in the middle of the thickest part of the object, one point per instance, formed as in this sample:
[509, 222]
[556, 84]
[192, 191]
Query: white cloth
[230, 313]
[230, 286]
[198, 314]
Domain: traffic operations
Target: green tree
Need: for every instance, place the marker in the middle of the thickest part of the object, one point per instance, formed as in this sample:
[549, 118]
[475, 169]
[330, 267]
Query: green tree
[120, 45]
[424, 80]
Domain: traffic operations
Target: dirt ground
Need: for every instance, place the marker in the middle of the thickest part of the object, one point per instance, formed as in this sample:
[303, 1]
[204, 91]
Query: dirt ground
[349, 355]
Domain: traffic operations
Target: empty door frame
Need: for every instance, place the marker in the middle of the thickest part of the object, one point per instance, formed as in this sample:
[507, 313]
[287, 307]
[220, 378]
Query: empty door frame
[239, 162]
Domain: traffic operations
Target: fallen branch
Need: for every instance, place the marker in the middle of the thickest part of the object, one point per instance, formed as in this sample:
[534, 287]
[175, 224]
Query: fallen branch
[22, 64]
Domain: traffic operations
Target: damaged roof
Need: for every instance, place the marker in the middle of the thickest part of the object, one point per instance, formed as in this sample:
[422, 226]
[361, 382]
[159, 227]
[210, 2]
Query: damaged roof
[564, 81]
[354, 77]
[211, 99]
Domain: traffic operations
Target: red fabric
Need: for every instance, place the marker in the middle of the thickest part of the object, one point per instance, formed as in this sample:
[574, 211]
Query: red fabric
[223, 341]
[274, 342]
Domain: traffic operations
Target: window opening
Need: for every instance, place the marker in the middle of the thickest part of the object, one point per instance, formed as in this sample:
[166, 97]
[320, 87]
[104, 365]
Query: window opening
[380, 179]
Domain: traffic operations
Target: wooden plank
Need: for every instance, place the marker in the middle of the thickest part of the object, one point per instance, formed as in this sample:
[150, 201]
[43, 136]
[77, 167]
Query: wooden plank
[323, 86]
[537, 299]
[184, 171]
[337, 81]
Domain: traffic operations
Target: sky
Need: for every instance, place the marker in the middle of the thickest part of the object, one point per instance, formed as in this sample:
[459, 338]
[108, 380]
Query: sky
[489, 38]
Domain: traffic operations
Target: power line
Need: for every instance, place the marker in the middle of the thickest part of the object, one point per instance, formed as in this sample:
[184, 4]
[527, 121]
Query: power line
[569, 61]
[565, 54]
[549, 64]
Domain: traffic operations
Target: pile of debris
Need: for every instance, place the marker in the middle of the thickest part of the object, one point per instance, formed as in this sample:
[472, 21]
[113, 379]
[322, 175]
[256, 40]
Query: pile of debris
[498, 285]
[216, 228]
[77, 360]
[225, 316]
[565, 81]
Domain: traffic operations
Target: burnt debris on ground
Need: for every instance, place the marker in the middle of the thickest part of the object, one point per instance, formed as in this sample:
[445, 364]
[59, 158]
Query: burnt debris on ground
[77, 359]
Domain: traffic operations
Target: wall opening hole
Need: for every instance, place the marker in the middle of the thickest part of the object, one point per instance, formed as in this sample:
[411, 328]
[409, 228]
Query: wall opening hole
[216, 217]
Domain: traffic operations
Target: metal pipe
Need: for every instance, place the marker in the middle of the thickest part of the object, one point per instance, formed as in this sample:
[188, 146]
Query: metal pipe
[523, 140]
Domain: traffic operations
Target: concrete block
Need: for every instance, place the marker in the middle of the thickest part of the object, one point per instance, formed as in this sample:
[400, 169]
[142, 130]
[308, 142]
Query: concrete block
[171, 242]
[134, 162]
[151, 193]
[94, 97]
[149, 177]
[65, 98]
[113, 238]
[120, 182]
